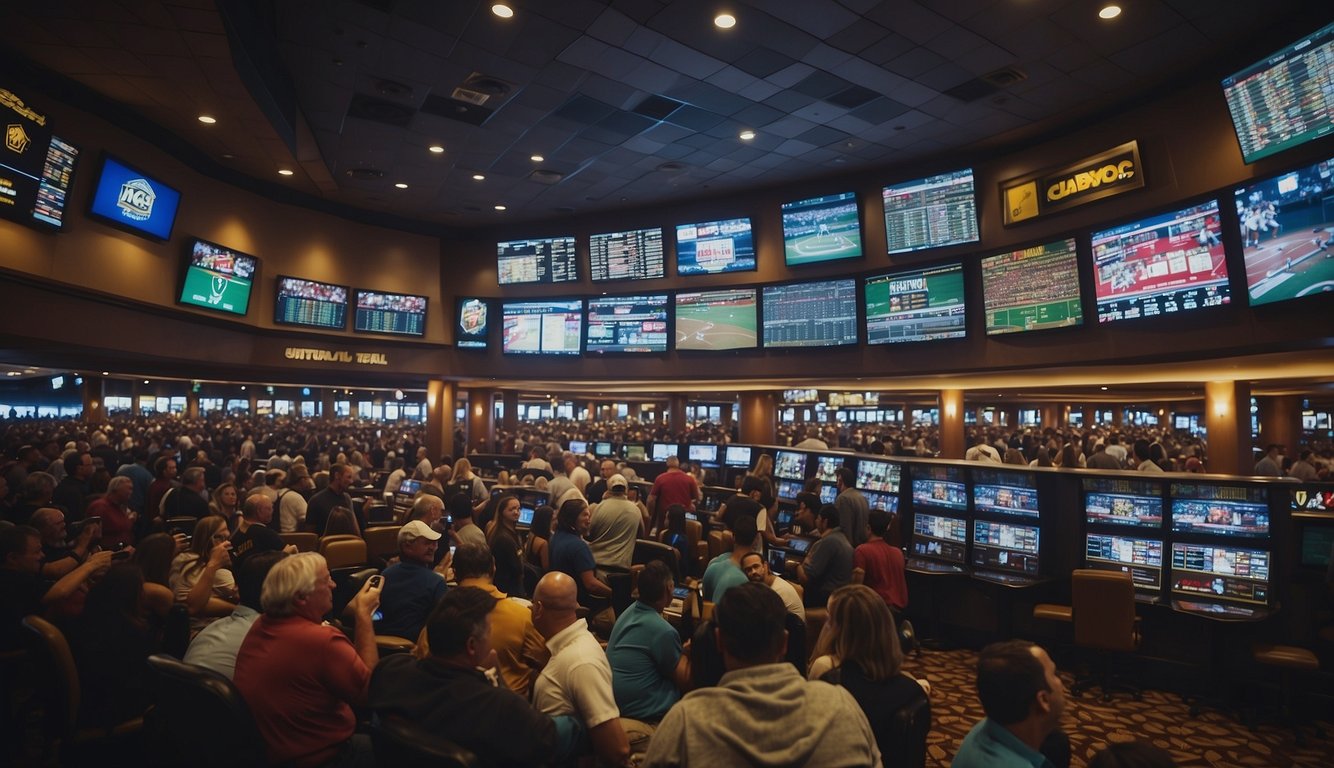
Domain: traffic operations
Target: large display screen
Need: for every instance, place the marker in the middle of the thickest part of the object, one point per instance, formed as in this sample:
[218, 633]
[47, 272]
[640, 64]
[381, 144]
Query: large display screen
[134, 201]
[821, 229]
[218, 278]
[1005, 547]
[396, 313]
[1285, 99]
[310, 303]
[544, 260]
[627, 324]
[664, 451]
[1287, 230]
[706, 455]
[1161, 265]
[715, 246]
[737, 456]
[53, 188]
[1123, 502]
[826, 468]
[918, 305]
[930, 213]
[790, 465]
[1311, 498]
[939, 488]
[818, 314]
[886, 501]
[472, 329]
[632, 255]
[1032, 289]
[1225, 573]
[1141, 558]
[1221, 510]
[875, 475]
[550, 327]
[1004, 493]
[788, 489]
[716, 320]
[939, 538]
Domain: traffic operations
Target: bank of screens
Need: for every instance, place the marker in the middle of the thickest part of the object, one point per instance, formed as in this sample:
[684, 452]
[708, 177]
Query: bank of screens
[939, 538]
[826, 467]
[1032, 289]
[1220, 510]
[664, 451]
[1226, 573]
[472, 328]
[1285, 99]
[544, 260]
[396, 313]
[939, 488]
[1161, 265]
[48, 207]
[715, 246]
[788, 489]
[790, 465]
[821, 229]
[310, 303]
[217, 278]
[635, 452]
[713, 321]
[873, 475]
[1004, 493]
[931, 212]
[1123, 502]
[602, 448]
[632, 255]
[551, 327]
[627, 324]
[917, 305]
[702, 454]
[817, 314]
[885, 501]
[1287, 232]
[1005, 547]
[737, 456]
[1141, 558]
[134, 201]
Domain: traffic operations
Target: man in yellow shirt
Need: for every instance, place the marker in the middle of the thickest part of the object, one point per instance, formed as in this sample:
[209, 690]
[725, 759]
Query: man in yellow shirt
[520, 649]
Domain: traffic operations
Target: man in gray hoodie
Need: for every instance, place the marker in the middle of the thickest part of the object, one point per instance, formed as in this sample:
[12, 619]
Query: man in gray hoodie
[762, 712]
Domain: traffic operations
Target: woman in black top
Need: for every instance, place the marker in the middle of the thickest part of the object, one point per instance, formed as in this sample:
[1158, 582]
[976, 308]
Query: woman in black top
[503, 536]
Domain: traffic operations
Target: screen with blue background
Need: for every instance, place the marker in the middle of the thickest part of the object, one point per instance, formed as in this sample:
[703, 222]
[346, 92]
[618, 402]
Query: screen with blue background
[136, 201]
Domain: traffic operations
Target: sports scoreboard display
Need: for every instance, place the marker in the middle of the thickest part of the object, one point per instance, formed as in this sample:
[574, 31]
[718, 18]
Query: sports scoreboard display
[394, 313]
[310, 303]
[715, 247]
[633, 255]
[918, 305]
[818, 314]
[1032, 289]
[1286, 99]
[821, 229]
[217, 278]
[545, 260]
[931, 213]
[36, 167]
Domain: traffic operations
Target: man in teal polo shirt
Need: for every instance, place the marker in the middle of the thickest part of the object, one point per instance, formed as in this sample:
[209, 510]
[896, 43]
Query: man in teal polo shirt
[1023, 700]
[648, 667]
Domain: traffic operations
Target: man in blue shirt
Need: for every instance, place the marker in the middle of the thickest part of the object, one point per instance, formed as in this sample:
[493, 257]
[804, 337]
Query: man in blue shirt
[411, 587]
[724, 571]
[648, 668]
[1023, 700]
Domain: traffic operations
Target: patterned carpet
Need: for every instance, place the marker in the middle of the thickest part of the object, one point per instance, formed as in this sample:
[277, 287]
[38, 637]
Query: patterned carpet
[1209, 739]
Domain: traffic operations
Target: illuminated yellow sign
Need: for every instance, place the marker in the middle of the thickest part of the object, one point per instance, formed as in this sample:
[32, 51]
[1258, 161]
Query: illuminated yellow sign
[16, 139]
[1108, 173]
[335, 356]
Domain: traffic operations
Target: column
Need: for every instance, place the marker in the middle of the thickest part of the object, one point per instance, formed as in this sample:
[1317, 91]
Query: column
[725, 415]
[1227, 418]
[632, 411]
[481, 420]
[326, 403]
[1090, 416]
[1118, 415]
[759, 418]
[94, 409]
[953, 442]
[1010, 415]
[192, 405]
[608, 412]
[1280, 421]
[509, 398]
[441, 400]
[676, 405]
[907, 415]
[1051, 416]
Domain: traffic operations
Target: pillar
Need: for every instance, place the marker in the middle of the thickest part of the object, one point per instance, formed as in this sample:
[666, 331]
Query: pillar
[192, 405]
[326, 403]
[509, 399]
[481, 420]
[676, 406]
[907, 415]
[608, 412]
[632, 411]
[94, 409]
[441, 400]
[1090, 417]
[1010, 416]
[1227, 419]
[1280, 421]
[1118, 415]
[253, 397]
[725, 415]
[953, 442]
[1051, 416]
[759, 418]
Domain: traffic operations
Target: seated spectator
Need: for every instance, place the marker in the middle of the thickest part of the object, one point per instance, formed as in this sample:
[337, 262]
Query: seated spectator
[882, 563]
[724, 571]
[828, 564]
[111, 642]
[341, 522]
[23, 591]
[252, 532]
[291, 502]
[59, 555]
[571, 555]
[757, 571]
[113, 509]
[216, 645]
[189, 567]
[649, 671]
[517, 642]
[187, 499]
[1023, 700]
[411, 586]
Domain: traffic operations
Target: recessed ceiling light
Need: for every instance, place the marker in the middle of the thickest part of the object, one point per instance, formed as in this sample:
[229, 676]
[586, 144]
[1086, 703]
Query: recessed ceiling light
[537, 158]
[106, 373]
[746, 135]
[724, 21]
[436, 149]
[242, 387]
[1109, 12]
[500, 207]
[401, 185]
[145, 381]
[478, 177]
[208, 119]
[1104, 389]
[285, 171]
[502, 10]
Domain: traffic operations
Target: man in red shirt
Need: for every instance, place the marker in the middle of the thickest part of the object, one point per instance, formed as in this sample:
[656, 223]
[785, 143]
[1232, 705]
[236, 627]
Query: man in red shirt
[300, 676]
[672, 487]
[883, 563]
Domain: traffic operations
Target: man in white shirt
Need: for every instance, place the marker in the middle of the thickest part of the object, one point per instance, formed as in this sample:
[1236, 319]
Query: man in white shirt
[757, 571]
[982, 451]
[576, 472]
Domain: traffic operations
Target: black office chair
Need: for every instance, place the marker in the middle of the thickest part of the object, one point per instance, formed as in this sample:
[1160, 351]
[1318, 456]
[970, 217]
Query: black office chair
[194, 706]
[399, 743]
[647, 550]
[908, 731]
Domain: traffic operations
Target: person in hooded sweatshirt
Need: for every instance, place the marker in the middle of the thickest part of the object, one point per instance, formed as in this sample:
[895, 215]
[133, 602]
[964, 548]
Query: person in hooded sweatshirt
[762, 712]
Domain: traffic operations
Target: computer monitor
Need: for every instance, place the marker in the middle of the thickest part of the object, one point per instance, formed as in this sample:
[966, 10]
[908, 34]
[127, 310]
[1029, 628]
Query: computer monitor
[886, 501]
[1006, 547]
[737, 456]
[578, 447]
[790, 465]
[798, 545]
[999, 492]
[788, 489]
[1230, 574]
[635, 452]
[877, 475]
[1115, 501]
[777, 561]
[828, 493]
[663, 451]
[602, 448]
[937, 537]
[939, 487]
[702, 454]
[1220, 510]
[409, 487]
[1141, 558]
[526, 515]
[826, 467]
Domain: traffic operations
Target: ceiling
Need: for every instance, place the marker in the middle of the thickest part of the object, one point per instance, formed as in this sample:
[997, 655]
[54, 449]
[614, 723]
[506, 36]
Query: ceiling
[628, 102]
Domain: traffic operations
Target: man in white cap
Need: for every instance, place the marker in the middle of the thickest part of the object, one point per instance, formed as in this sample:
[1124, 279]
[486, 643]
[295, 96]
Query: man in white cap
[411, 587]
[616, 524]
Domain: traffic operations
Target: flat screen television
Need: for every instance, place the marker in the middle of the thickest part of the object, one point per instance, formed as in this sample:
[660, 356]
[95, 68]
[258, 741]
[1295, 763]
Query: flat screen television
[1141, 558]
[635, 451]
[737, 456]
[472, 328]
[716, 320]
[790, 465]
[937, 537]
[541, 260]
[217, 278]
[998, 492]
[1161, 265]
[939, 487]
[1287, 233]
[409, 487]
[399, 314]
[1220, 510]
[702, 454]
[632, 255]
[1311, 498]
[1220, 573]
[664, 451]
[715, 247]
[134, 201]
[628, 324]
[1006, 547]
[578, 447]
[788, 489]
[828, 493]
[602, 448]
[826, 467]
[48, 207]
[310, 303]
[1114, 501]
[1316, 543]
[1284, 100]
[542, 327]
[886, 501]
[816, 314]
[932, 212]
[876, 475]
[1032, 289]
[916, 305]
[821, 229]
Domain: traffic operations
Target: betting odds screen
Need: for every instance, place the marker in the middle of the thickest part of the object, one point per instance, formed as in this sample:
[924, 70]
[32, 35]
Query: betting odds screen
[931, 213]
[1286, 99]
[818, 314]
[1004, 493]
[1224, 573]
[633, 255]
[1032, 289]
[1006, 547]
[917, 305]
[396, 313]
[543, 260]
[715, 247]
[627, 324]
[36, 167]
[472, 329]
[310, 303]
[1123, 502]
[1141, 558]
[939, 538]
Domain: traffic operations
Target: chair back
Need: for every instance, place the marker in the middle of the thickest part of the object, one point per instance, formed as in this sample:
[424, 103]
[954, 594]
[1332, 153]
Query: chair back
[719, 542]
[344, 553]
[381, 541]
[376, 511]
[305, 541]
[1103, 606]
[195, 706]
[51, 649]
[696, 546]
[325, 541]
[400, 743]
[908, 732]
[796, 642]
[647, 550]
[176, 630]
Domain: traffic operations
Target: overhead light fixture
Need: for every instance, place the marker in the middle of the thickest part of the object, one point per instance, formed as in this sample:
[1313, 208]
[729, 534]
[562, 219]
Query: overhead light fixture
[502, 10]
[401, 185]
[285, 171]
[1109, 12]
[724, 21]
[478, 177]
[1104, 389]
[746, 135]
[436, 149]
[500, 207]
[145, 381]
[537, 158]
[208, 119]
[106, 373]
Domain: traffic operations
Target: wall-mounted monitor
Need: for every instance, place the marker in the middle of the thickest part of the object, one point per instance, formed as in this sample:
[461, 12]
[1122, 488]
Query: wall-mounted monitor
[916, 305]
[542, 327]
[1161, 265]
[1223, 573]
[719, 320]
[1287, 233]
[217, 278]
[886, 501]
[1032, 289]
[632, 255]
[134, 201]
[1284, 100]
[714, 247]
[877, 475]
[602, 448]
[1315, 543]
[1220, 510]
[472, 326]
[939, 487]
[706, 455]
[788, 489]
[541, 260]
[627, 324]
[998, 492]
[737, 456]
[48, 207]
[931, 213]
[1137, 503]
[816, 314]
[790, 465]
[1141, 558]
[399, 314]
[1006, 547]
[664, 451]
[937, 537]
[310, 303]
[821, 229]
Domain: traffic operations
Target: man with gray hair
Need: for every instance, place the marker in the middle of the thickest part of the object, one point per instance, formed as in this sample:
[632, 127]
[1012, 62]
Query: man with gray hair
[117, 527]
[301, 676]
[253, 533]
[187, 500]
